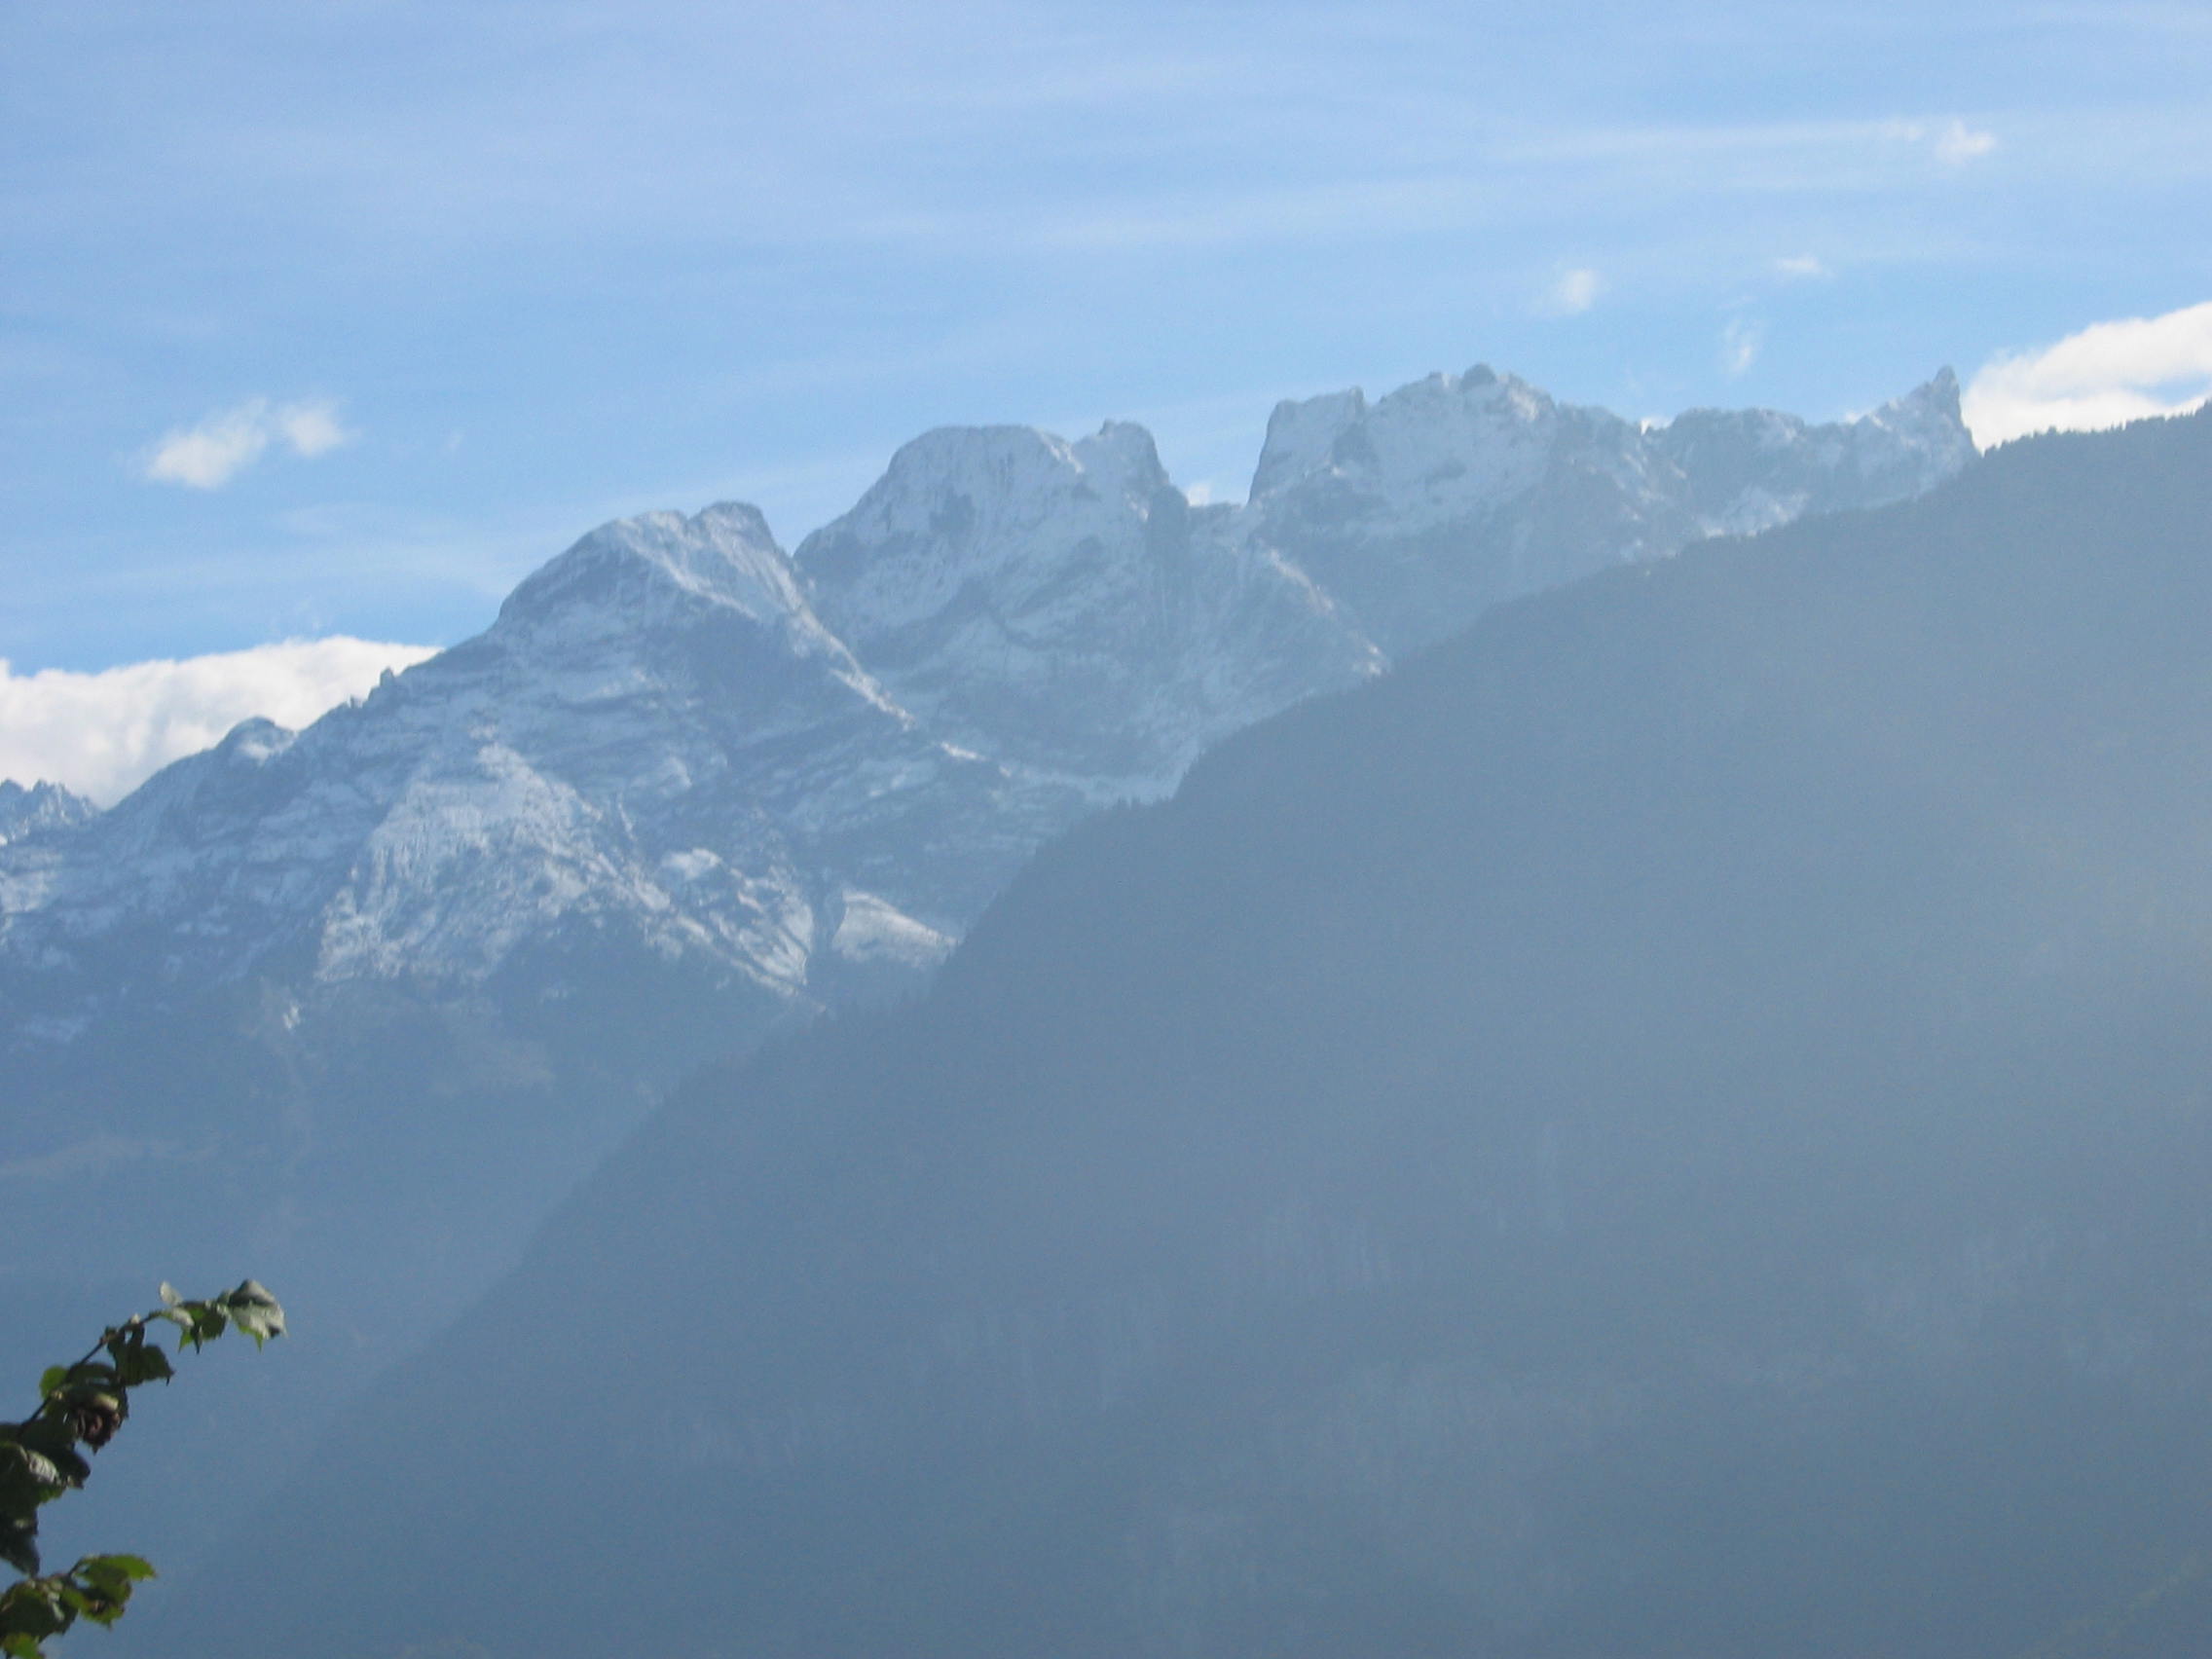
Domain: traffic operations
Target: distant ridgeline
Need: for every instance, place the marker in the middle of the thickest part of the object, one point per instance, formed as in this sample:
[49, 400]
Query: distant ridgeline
[353, 1007]
[1676, 1124]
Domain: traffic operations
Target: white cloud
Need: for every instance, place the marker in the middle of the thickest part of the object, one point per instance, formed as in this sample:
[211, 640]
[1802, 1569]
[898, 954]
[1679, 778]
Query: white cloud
[1800, 267]
[210, 454]
[1575, 293]
[104, 735]
[1953, 142]
[1739, 343]
[207, 456]
[1958, 144]
[2104, 376]
[310, 428]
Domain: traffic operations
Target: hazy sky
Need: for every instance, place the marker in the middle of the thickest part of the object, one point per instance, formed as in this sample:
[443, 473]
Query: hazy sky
[339, 318]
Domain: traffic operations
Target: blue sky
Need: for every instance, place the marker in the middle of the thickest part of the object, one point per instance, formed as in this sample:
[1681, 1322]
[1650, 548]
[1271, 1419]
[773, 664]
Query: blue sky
[419, 292]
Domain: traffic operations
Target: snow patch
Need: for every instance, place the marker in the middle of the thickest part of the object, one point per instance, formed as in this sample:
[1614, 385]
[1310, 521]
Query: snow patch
[874, 931]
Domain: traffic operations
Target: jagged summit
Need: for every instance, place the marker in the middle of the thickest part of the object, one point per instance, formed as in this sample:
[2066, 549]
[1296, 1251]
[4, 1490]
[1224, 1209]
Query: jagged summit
[676, 734]
[656, 741]
[40, 809]
[1300, 435]
[1061, 606]
[1928, 417]
[984, 511]
[723, 556]
[1748, 471]
[1430, 448]
[1420, 510]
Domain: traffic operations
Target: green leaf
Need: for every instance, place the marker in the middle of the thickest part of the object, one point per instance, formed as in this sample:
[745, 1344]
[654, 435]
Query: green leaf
[50, 1378]
[144, 1363]
[130, 1568]
[48, 1449]
[21, 1647]
[255, 1311]
[35, 1608]
[102, 1600]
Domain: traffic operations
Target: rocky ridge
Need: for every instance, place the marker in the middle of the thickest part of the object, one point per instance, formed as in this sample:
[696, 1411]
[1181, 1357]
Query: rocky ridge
[772, 767]
[41, 807]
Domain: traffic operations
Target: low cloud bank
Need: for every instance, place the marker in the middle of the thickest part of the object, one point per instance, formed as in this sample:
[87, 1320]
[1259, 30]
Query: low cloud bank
[104, 734]
[2104, 376]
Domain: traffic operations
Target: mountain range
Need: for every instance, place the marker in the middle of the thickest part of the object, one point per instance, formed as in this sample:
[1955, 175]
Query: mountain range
[352, 1008]
[679, 737]
[1671, 1124]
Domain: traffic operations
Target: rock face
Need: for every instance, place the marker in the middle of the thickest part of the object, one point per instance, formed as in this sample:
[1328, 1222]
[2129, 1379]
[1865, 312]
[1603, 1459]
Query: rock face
[656, 744]
[38, 809]
[1459, 490]
[1064, 607]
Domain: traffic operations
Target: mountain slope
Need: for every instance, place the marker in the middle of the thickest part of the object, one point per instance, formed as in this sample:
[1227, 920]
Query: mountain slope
[351, 1008]
[656, 737]
[1673, 1125]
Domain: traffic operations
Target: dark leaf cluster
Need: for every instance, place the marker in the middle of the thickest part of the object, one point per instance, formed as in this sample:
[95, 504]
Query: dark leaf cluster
[81, 1408]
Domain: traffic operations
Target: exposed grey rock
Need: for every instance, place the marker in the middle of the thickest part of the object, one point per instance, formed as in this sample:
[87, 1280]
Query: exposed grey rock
[1459, 490]
[677, 736]
[39, 809]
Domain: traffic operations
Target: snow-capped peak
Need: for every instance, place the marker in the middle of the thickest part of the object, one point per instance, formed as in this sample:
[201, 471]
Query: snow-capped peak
[1061, 605]
[992, 509]
[1300, 435]
[660, 736]
[1433, 449]
[1458, 491]
[723, 556]
[40, 810]
[1120, 458]
[1927, 419]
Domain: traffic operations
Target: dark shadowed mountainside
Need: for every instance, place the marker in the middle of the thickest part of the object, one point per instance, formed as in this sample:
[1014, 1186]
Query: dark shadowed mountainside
[1676, 1124]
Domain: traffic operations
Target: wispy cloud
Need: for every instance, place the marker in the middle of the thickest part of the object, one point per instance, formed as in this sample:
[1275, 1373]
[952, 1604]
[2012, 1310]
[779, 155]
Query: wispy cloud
[2104, 376]
[104, 734]
[94, 1156]
[1801, 266]
[1957, 144]
[1739, 343]
[1951, 142]
[209, 454]
[1572, 294]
